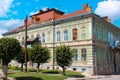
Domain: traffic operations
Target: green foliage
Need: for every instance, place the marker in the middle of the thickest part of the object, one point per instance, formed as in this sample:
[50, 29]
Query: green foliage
[32, 70]
[9, 48]
[74, 74]
[63, 55]
[51, 71]
[40, 54]
[20, 56]
[29, 51]
[14, 67]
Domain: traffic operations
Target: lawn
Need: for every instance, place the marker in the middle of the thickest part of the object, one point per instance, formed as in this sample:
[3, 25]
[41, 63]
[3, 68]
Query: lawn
[42, 75]
[35, 76]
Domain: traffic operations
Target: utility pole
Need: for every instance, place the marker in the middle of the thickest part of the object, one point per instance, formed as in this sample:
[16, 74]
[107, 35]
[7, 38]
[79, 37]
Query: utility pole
[25, 54]
[53, 45]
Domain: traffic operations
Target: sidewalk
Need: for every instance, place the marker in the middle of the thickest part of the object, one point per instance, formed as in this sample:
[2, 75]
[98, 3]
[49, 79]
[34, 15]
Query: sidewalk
[89, 77]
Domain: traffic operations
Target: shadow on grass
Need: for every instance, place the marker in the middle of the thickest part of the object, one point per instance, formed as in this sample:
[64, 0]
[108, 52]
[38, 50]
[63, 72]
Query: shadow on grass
[28, 78]
[76, 76]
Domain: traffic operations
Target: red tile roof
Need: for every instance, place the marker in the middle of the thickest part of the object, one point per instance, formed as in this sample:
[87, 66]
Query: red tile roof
[73, 14]
[52, 14]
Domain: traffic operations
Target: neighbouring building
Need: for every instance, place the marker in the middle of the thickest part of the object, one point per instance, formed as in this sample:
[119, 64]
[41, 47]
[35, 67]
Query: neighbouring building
[94, 39]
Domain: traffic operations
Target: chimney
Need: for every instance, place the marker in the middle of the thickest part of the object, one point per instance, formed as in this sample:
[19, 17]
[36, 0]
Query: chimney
[107, 19]
[47, 9]
[87, 8]
[41, 11]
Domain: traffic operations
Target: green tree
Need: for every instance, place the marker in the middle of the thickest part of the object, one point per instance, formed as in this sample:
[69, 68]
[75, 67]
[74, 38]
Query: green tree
[29, 51]
[40, 55]
[63, 56]
[9, 48]
[20, 58]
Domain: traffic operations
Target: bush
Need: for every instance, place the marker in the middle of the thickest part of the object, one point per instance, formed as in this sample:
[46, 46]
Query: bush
[14, 67]
[32, 70]
[50, 71]
[74, 74]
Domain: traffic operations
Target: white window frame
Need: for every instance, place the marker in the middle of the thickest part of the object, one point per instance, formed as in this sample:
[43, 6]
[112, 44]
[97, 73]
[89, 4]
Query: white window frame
[43, 38]
[58, 36]
[65, 35]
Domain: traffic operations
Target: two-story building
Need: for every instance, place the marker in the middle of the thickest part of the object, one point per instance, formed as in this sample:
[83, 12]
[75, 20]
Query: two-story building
[95, 40]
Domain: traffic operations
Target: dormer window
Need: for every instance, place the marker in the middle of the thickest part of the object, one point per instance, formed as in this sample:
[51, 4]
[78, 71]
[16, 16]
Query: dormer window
[33, 20]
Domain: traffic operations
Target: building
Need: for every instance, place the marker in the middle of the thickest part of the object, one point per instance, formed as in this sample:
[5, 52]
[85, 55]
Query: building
[94, 39]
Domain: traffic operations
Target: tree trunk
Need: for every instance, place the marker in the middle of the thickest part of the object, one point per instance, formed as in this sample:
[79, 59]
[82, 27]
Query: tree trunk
[25, 67]
[63, 68]
[38, 67]
[22, 67]
[4, 69]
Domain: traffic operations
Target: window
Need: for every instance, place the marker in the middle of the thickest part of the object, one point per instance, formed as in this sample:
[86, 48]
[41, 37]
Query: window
[66, 35]
[22, 41]
[110, 39]
[58, 36]
[83, 55]
[74, 34]
[75, 55]
[38, 37]
[43, 38]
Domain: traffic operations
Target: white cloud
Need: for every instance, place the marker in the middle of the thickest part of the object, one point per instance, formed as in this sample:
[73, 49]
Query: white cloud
[6, 25]
[31, 13]
[11, 23]
[110, 8]
[44, 8]
[4, 7]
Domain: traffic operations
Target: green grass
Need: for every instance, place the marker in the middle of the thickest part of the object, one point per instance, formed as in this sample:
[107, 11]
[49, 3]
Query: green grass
[74, 74]
[44, 74]
[35, 76]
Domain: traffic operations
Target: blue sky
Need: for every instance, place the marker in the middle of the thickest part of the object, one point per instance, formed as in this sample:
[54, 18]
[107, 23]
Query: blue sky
[13, 12]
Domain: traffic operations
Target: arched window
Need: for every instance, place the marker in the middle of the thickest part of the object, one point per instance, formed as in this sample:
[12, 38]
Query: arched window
[83, 54]
[75, 55]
